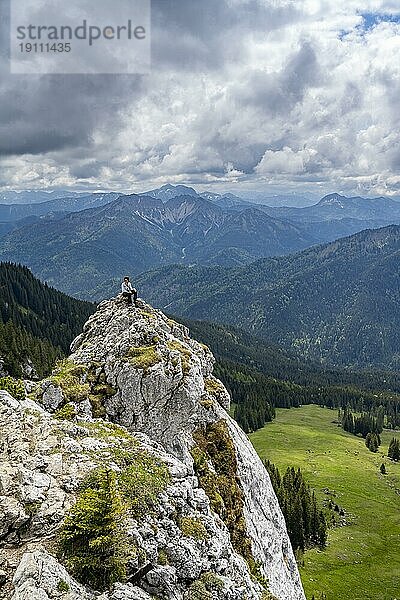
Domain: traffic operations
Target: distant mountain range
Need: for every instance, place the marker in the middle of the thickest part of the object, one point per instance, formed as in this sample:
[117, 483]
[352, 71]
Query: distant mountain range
[338, 303]
[34, 196]
[79, 251]
[14, 212]
[84, 244]
[335, 206]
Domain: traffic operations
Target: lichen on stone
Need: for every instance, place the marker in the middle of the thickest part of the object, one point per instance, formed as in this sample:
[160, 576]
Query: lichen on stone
[211, 581]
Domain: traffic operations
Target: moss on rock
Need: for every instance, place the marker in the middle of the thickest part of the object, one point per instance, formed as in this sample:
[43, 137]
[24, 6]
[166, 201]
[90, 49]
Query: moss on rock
[162, 558]
[142, 480]
[212, 582]
[68, 376]
[194, 528]
[185, 353]
[15, 387]
[213, 386]
[143, 357]
[222, 485]
[66, 412]
[198, 591]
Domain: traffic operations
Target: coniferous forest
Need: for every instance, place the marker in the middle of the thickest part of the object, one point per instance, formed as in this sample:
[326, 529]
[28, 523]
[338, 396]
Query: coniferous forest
[37, 322]
[262, 377]
[305, 521]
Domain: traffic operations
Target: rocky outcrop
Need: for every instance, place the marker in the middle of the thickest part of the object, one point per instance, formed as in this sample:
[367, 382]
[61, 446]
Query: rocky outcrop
[140, 370]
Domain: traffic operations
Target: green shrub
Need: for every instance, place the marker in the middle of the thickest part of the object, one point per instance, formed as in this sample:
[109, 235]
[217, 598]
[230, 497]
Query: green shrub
[15, 387]
[185, 353]
[142, 480]
[100, 390]
[93, 537]
[62, 586]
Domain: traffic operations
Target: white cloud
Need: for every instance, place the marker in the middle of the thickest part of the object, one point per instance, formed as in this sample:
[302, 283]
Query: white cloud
[299, 96]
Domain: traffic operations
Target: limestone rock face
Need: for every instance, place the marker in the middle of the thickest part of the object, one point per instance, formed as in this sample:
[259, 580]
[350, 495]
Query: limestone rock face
[164, 398]
[142, 371]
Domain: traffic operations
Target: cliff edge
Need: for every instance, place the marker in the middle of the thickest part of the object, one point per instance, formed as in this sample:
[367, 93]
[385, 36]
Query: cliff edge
[137, 398]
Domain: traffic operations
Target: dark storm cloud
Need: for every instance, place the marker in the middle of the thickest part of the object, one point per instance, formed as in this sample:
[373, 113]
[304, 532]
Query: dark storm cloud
[239, 89]
[50, 113]
[193, 34]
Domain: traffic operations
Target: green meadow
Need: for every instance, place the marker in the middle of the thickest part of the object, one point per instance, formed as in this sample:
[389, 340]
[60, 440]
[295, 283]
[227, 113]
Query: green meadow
[362, 559]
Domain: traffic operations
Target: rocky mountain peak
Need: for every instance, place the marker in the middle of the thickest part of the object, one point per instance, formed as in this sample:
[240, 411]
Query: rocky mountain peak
[333, 199]
[168, 191]
[137, 385]
[162, 378]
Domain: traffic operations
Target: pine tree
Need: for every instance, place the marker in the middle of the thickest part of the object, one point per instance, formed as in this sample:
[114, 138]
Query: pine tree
[92, 537]
[372, 441]
[394, 449]
[37, 323]
[306, 524]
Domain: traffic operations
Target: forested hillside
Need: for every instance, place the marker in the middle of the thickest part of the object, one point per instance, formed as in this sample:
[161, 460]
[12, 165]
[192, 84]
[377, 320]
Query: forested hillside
[262, 377]
[37, 323]
[337, 303]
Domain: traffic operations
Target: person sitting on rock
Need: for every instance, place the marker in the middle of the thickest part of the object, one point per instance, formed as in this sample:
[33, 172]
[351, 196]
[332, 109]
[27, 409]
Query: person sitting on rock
[128, 291]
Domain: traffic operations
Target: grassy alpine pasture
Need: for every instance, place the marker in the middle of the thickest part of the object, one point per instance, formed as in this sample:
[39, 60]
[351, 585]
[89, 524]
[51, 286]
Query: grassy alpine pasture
[362, 559]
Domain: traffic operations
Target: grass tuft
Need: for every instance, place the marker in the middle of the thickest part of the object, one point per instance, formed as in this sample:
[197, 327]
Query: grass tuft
[144, 357]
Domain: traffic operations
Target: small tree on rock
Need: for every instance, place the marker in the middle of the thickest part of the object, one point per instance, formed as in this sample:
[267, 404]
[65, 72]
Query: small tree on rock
[92, 539]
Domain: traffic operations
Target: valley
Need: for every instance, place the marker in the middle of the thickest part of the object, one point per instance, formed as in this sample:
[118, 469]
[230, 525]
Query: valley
[364, 554]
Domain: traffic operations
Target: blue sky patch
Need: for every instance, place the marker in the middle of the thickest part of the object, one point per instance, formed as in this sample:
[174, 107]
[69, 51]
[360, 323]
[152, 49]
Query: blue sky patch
[372, 19]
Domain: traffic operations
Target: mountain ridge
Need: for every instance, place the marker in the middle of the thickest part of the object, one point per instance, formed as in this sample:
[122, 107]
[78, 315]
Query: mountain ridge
[333, 302]
[82, 251]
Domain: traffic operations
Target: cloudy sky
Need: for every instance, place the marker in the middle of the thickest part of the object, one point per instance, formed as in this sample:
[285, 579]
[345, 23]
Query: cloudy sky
[269, 95]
